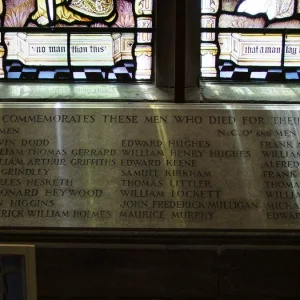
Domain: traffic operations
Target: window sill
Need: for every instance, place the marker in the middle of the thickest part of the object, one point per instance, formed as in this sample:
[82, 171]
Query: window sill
[51, 92]
[272, 93]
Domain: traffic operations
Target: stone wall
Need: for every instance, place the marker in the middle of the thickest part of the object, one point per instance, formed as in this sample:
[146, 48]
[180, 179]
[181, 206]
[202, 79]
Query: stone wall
[164, 272]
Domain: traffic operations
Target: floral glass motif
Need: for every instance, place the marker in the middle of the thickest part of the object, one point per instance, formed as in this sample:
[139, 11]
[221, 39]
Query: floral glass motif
[89, 40]
[250, 39]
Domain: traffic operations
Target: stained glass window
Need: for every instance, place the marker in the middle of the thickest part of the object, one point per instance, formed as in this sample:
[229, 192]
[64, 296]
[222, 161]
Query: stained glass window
[12, 277]
[82, 40]
[250, 39]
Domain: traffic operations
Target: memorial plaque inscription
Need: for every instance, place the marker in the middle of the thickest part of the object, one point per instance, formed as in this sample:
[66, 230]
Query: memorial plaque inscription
[156, 166]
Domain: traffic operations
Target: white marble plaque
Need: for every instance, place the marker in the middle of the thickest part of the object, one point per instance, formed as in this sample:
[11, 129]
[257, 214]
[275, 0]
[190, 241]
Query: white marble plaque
[150, 166]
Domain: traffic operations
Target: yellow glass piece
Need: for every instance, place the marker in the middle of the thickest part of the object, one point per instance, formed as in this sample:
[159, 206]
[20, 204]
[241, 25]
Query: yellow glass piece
[93, 8]
[2, 51]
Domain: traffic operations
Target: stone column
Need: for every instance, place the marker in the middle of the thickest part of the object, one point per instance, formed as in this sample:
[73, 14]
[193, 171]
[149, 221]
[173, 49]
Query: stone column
[2, 49]
[143, 48]
[208, 59]
[2, 53]
[209, 48]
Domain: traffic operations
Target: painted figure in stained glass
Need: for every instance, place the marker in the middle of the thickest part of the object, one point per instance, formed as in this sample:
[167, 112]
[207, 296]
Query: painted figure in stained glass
[253, 55]
[74, 10]
[87, 55]
[272, 8]
[259, 14]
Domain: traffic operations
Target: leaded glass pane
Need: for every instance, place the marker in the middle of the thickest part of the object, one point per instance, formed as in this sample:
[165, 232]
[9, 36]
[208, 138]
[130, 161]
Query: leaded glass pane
[250, 39]
[89, 40]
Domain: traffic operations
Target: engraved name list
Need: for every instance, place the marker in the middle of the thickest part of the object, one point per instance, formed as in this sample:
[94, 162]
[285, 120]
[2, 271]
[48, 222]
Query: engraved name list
[186, 167]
